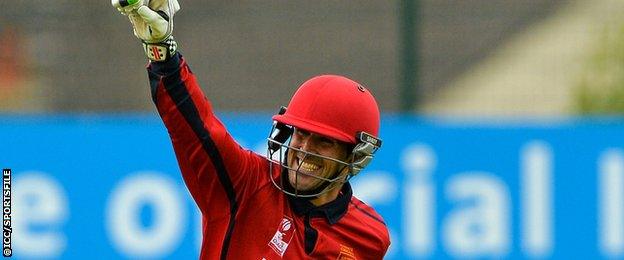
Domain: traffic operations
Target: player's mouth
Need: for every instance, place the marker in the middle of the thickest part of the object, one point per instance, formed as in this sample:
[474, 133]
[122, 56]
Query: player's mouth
[307, 167]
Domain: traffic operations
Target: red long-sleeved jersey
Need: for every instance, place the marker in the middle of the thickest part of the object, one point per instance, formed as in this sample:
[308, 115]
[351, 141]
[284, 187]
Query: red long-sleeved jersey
[243, 215]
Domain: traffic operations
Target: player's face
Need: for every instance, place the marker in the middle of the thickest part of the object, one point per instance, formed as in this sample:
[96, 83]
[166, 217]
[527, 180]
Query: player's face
[314, 165]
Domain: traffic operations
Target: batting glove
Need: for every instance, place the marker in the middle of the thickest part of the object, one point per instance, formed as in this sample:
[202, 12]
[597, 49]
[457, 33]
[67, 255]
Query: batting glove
[152, 22]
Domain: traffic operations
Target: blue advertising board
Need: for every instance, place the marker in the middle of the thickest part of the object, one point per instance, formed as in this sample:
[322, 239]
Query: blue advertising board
[109, 187]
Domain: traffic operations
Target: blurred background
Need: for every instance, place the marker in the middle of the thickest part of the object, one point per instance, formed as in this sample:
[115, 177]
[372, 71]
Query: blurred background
[502, 120]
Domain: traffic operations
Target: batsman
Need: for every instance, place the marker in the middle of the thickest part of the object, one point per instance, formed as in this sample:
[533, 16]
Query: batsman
[294, 203]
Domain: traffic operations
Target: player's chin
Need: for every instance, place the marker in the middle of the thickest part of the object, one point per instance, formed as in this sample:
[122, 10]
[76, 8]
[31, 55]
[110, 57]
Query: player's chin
[302, 182]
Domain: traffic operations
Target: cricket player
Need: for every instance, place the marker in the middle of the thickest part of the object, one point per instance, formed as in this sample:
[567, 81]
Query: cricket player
[295, 203]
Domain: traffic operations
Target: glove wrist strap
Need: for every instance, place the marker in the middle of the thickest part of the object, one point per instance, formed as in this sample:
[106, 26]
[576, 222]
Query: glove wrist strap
[161, 51]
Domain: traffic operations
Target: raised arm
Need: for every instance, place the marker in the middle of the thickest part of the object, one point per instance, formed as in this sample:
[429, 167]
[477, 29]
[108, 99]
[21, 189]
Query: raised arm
[216, 170]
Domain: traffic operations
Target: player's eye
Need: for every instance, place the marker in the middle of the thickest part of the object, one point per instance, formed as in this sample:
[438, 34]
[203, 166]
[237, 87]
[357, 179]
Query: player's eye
[302, 133]
[326, 140]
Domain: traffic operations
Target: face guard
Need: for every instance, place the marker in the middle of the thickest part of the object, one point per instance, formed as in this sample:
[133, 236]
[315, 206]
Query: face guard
[279, 147]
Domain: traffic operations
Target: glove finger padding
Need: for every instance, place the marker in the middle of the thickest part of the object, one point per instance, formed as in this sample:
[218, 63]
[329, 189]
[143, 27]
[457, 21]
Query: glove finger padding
[154, 23]
[158, 24]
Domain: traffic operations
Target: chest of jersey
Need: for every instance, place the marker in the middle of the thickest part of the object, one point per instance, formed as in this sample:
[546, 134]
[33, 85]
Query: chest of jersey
[264, 231]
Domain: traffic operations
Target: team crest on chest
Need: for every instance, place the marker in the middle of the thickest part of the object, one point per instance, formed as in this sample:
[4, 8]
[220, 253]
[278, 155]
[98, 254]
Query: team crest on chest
[284, 234]
[346, 253]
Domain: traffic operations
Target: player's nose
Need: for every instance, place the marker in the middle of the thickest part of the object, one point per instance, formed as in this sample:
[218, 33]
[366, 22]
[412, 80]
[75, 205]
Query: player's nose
[307, 143]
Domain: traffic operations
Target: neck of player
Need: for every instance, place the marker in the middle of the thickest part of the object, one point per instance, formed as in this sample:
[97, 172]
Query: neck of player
[327, 197]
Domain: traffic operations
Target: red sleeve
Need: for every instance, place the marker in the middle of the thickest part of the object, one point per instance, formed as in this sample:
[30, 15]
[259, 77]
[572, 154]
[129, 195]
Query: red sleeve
[217, 171]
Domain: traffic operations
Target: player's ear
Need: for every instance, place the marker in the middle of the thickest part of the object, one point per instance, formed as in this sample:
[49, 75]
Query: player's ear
[350, 154]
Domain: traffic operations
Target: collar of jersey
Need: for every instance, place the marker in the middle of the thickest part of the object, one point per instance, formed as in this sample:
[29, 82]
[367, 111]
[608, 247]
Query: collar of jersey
[332, 211]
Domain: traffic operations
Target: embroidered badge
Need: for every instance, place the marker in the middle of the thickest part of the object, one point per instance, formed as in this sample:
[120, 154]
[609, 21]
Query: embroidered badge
[284, 234]
[346, 253]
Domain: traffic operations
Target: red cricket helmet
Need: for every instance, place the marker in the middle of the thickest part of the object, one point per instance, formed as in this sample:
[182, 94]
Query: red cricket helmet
[333, 106]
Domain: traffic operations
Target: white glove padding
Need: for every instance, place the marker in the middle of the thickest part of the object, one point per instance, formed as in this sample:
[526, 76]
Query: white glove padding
[152, 20]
